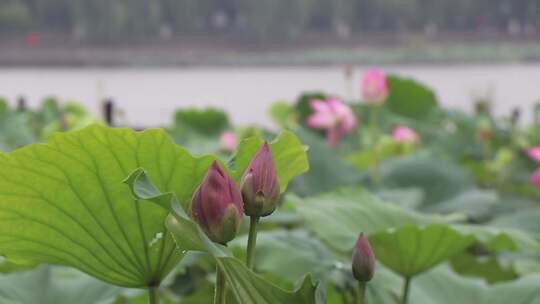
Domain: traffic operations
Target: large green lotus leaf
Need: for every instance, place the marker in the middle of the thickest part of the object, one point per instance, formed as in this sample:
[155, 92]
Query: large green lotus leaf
[247, 286]
[501, 239]
[440, 179]
[347, 212]
[55, 285]
[526, 220]
[288, 152]
[64, 203]
[410, 98]
[492, 268]
[476, 204]
[410, 250]
[442, 286]
[407, 198]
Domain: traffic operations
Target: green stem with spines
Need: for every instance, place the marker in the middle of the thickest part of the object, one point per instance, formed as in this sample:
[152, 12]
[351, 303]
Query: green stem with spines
[252, 241]
[362, 293]
[374, 134]
[153, 295]
[406, 290]
[219, 295]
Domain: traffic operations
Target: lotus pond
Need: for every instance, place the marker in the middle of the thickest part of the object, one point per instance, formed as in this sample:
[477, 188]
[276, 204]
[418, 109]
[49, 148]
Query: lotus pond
[388, 199]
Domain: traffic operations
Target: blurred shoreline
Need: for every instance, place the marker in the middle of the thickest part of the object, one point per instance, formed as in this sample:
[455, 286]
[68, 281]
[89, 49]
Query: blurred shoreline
[148, 96]
[53, 50]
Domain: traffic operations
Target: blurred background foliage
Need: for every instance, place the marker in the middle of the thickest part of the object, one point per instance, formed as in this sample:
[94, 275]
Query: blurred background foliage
[121, 20]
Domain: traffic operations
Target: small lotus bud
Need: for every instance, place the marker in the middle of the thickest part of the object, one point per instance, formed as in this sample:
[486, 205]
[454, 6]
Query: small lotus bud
[363, 260]
[228, 141]
[217, 205]
[535, 178]
[403, 134]
[260, 187]
[374, 87]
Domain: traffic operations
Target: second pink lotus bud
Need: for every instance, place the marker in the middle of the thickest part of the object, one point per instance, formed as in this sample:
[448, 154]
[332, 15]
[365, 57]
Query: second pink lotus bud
[260, 187]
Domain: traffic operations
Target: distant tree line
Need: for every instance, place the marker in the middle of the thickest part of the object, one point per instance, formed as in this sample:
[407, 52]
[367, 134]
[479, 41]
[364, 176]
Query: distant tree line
[119, 20]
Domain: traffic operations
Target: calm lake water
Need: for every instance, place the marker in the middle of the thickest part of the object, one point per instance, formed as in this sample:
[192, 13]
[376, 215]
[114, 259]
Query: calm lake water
[148, 97]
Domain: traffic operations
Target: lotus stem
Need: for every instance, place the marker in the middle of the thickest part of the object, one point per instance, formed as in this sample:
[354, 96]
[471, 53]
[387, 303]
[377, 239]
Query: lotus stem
[374, 128]
[153, 295]
[252, 241]
[362, 293]
[406, 288]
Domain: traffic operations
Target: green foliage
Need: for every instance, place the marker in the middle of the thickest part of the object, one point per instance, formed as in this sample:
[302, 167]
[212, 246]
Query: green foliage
[55, 285]
[347, 212]
[75, 211]
[288, 153]
[491, 267]
[327, 170]
[410, 98]
[247, 286]
[282, 114]
[445, 287]
[439, 179]
[209, 121]
[291, 254]
[419, 248]
[14, 15]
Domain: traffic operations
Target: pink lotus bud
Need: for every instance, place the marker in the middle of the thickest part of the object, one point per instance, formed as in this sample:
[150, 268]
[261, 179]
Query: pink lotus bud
[228, 141]
[363, 260]
[374, 86]
[403, 134]
[333, 116]
[534, 153]
[217, 205]
[535, 178]
[260, 187]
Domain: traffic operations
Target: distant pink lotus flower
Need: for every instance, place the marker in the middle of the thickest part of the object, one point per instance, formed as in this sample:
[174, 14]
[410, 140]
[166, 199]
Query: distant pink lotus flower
[403, 134]
[333, 116]
[374, 86]
[228, 141]
[535, 178]
[534, 153]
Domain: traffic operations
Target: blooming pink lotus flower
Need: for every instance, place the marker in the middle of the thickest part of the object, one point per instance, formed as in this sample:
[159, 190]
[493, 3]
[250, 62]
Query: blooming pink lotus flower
[333, 116]
[363, 260]
[403, 134]
[374, 86]
[217, 205]
[534, 153]
[260, 187]
[228, 141]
